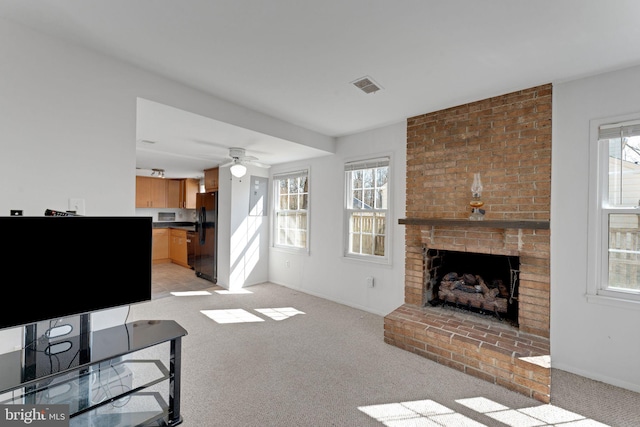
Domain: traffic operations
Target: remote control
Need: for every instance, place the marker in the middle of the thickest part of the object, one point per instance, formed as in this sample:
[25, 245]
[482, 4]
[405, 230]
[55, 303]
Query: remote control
[51, 212]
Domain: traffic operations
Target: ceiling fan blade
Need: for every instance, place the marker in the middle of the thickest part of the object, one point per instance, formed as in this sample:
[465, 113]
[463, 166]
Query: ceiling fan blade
[260, 165]
[227, 164]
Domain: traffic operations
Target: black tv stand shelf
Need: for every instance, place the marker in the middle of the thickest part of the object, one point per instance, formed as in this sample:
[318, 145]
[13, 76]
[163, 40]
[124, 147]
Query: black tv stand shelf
[112, 381]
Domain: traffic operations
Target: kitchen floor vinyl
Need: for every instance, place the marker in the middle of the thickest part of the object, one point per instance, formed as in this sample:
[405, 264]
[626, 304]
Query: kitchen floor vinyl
[169, 277]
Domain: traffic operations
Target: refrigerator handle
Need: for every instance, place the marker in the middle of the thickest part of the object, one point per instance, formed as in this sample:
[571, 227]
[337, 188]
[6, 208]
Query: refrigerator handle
[201, 230]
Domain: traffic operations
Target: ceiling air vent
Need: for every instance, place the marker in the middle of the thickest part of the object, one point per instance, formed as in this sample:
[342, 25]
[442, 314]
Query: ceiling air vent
[367, 85]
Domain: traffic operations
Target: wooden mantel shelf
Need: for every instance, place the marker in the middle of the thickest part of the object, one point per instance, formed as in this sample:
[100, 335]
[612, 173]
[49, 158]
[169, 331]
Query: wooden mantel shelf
[505, 223]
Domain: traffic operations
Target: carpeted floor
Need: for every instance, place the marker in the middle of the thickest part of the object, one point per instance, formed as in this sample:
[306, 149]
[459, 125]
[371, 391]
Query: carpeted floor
[278, 357]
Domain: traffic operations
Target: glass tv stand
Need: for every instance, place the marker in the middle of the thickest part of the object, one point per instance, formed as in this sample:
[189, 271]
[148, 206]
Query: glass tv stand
[127, 375]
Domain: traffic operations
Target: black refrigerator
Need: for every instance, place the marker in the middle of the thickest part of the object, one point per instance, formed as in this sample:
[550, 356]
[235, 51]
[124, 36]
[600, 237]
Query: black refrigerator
[206, 246]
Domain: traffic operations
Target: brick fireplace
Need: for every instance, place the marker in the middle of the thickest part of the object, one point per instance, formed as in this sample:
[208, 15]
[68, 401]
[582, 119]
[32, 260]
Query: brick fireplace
[507, 139]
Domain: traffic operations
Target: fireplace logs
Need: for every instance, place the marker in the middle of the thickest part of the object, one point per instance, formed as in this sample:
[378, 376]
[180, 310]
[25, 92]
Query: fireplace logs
[471, 290]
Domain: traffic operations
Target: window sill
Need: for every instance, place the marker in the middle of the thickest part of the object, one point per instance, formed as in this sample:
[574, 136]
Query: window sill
[291, 250]
[384, 262]
[613, 302]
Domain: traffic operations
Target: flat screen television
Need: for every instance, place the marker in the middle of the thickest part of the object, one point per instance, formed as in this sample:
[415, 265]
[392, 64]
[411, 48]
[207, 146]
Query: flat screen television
[56, 267]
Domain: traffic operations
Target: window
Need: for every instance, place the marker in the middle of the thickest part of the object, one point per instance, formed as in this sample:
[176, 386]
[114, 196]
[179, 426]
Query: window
[366, 208]
[618, 216]
[291, 210]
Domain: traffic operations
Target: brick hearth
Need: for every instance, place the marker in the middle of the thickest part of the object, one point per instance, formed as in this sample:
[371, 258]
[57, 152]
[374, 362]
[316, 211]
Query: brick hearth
[482, 347]
[507, 139]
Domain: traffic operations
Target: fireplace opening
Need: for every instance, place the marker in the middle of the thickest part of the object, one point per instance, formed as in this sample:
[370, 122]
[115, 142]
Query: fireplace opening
[480, 283]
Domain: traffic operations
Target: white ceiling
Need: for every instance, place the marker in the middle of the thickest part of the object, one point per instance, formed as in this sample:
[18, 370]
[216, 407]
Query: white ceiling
[295, 59]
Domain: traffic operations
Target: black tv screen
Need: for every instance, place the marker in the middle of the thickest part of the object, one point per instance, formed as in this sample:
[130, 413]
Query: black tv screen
[55, 267]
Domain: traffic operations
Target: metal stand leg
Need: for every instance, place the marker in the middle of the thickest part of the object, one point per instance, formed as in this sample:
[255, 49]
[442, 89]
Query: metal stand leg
[175, 363]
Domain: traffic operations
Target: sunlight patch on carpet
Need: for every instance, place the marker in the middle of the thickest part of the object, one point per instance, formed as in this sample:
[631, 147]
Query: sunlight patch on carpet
[542, 415]
[190, 293]
[234, 292]
[417, 413]
[231, 316]
[279, 313]
[431, 413]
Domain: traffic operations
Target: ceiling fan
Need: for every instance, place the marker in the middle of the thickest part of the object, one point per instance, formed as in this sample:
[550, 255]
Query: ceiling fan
[238, 161]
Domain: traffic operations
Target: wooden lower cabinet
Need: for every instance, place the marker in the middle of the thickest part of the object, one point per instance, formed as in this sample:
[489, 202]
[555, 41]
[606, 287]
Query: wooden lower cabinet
[160, 245]
[178, 247]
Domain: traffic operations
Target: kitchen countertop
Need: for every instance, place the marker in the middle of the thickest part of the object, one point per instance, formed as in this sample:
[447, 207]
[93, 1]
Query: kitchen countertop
[189, 226]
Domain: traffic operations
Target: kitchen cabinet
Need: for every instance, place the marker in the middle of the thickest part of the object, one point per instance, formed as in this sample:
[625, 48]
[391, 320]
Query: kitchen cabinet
[160, 245]
[167, 193]
[188, 189]
[211, 180]
[174, 193]
[151, 192]
[178, 247]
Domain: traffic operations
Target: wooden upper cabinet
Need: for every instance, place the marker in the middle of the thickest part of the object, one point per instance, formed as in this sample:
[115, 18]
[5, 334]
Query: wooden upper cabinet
[151, 192]
[211, 180]
[174, 193]
[188, 189]
[166, 193]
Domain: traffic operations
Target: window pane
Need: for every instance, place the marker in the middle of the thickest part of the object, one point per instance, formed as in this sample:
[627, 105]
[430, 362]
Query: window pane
[380, 224]
[367, 223]
[356, 181]
[283, 186]
[381, 176]
[284, 202]
[293, 185]
[379, 250]
[367, 244]
[356, 223]
[368, 202]
[624, 171]
[293, 202]
[291, 221]
[368, 178]
[356, 201]
[355, 244]
[624, 252]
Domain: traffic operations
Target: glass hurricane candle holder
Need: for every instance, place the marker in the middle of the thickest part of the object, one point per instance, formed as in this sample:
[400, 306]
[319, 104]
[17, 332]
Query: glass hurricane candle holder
[476, 203]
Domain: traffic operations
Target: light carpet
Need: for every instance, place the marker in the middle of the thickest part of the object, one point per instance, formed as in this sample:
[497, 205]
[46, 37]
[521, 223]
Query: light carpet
[273, 356]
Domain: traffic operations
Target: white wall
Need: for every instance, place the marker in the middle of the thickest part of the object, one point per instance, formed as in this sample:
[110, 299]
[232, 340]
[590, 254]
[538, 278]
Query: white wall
[68, 125]
[243, 239]
[591, 339]
[324, 271]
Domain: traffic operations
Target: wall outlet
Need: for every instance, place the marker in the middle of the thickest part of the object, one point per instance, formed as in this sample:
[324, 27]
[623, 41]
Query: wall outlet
[369, 281]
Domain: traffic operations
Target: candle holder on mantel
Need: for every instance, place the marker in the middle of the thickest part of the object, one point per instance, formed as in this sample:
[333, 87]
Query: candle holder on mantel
[476, 202]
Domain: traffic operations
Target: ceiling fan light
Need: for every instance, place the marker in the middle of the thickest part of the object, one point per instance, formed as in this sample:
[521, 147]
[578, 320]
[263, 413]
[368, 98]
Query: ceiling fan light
[238, 170]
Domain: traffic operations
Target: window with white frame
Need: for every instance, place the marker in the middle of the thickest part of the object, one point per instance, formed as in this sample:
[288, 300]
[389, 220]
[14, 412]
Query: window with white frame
[618, 216]
[367, 209]
[291, 210]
